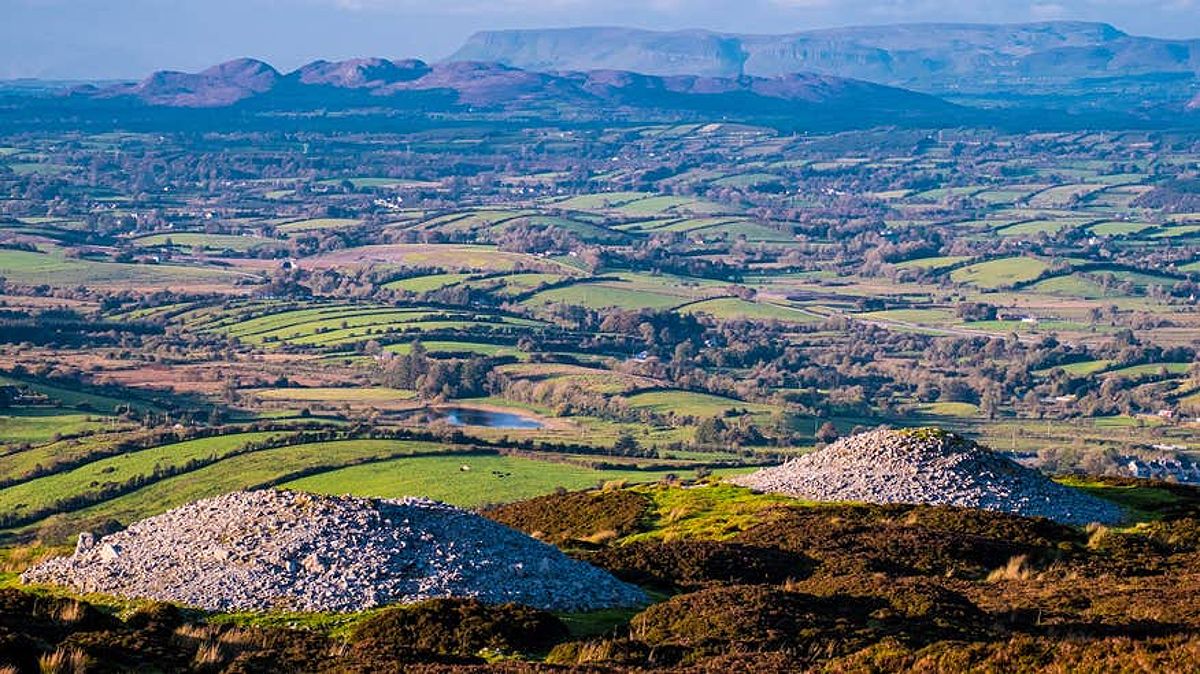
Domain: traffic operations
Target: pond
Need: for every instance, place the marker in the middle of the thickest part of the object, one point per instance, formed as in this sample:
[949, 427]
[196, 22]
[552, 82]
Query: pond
[466, 416]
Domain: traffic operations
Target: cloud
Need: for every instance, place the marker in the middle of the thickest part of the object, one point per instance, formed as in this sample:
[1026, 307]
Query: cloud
[1047, 10]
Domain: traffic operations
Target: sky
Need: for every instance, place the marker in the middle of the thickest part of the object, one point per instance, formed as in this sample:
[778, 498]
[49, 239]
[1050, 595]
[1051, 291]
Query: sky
[109, 39]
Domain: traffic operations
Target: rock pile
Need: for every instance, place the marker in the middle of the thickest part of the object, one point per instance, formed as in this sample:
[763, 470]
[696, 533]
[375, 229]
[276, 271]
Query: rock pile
[928, 466]
[286, 550]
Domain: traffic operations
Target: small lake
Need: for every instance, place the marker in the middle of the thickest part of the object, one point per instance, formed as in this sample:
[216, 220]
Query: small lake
[465, 416]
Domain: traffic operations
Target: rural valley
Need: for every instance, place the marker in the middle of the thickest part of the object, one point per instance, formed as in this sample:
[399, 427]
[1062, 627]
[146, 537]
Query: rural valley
[785, 366]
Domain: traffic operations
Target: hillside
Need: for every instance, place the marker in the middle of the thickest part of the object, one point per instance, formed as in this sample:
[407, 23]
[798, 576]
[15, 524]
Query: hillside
[415, 85]
[935, 58]
[738, 582]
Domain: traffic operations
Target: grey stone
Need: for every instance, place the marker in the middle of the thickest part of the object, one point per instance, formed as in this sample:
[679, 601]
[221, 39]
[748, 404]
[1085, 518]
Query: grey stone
[265, 549]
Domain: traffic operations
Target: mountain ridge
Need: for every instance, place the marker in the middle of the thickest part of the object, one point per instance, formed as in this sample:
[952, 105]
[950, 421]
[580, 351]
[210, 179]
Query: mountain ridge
[377, 81]
[937, 58]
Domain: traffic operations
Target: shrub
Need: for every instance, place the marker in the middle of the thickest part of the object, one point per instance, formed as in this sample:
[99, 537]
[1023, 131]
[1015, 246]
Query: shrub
[575, 517]
[462, 627]
[906, 540]
[690, 564]
[747, 618]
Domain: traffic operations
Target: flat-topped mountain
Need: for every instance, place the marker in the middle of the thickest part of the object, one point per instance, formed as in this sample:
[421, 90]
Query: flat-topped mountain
[936, 58]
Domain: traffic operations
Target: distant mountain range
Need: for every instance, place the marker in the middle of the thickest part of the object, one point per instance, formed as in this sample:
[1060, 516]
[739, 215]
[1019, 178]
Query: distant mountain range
[474, 85]
[1044, 75]
[942, 59]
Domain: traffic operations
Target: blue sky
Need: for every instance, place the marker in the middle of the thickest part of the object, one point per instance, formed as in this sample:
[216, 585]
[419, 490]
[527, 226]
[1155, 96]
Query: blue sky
[128, 38]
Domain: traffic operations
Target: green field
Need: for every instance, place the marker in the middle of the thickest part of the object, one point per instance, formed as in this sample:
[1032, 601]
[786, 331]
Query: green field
[1119, 228]
[33, 426]
[929, 317]
[732, 308]
[368, 394]
[487, 479]
[691, 403]
[1034, 227]
[933, 263]
[947, 409]
[1080, 369]
[19, 266]
[602, 201]
[36, 494]
[424, 284]
[441, 347]
[316, 224]
[204, 241]
[1149, 370]
[337, 325]
[605, 294]
[1072, 285]
[1002, 272]
[241, 472]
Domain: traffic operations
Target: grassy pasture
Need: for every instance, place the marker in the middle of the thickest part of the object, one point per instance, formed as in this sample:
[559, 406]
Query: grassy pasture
[316, 224]
[1148, 370]
[929, 317]
[1063, 195]
[1072, 285]
[451, 257]
[291, 325]
[424, 284]
[1080, 369]
[732, 308]
[487, 479]
[18, 464]
[1001, 272]
[1008, 195]
[585, 231]
[44, 492]
[444, 347]
[1001, 327]
[744, 229]
[204, 241]
[1049, 227]
[942, 193]
[339, 324]
[1119, 228]
[662, 204]
[600, 295]
[242, 472]
[933, 263]
[513, 284]
[43, 425]
[591, 379]
[404, 330]
[600, 201]
[78, 399]
[692, 403]
[358, 394]
[947, 409]
[20, 266]
[1177, 232]
[1140, 280]
[744, 180]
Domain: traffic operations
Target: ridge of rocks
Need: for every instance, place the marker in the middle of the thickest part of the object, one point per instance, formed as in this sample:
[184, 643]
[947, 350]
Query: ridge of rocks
[286, 550]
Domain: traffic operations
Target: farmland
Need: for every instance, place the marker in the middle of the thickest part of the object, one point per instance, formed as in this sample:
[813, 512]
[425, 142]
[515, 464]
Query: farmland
[490, 321]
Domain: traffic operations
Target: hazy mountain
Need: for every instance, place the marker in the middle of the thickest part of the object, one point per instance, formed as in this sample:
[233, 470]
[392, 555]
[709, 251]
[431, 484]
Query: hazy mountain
[935, 58]
[221, 84]
[360, 73]
[379, 82]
